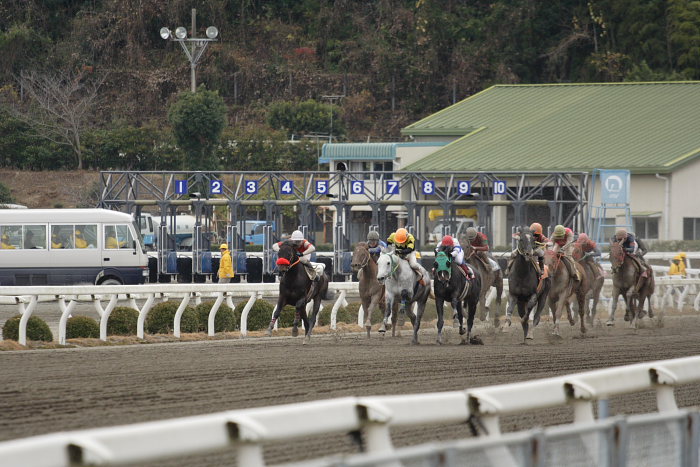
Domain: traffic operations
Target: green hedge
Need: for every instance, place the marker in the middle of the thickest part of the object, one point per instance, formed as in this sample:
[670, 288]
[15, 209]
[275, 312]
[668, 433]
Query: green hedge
[226, 319]
[259, 315]
[122, 321]
[161, 317]
[37, 329]
[78, 327]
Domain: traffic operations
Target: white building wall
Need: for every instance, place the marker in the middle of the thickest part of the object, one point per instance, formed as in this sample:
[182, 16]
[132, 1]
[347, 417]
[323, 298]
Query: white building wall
[685, 197]
[407, 155]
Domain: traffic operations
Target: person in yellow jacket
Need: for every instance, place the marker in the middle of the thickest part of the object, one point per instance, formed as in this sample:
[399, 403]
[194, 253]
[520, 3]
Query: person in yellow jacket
[225, 273]
[677, 266]
[6, 245]
[404, 245]
[80, 241]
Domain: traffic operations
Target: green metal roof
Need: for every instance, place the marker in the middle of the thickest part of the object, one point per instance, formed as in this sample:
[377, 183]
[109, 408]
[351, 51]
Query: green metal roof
[643, 127]
[358, 151]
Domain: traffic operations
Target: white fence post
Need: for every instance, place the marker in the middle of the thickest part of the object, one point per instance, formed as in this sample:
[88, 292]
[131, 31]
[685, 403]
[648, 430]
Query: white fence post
[211, 331]
[178, 314]
[65, 313]
[105, 316]
[26, 314]
[336, 307]
[143, 313]
[244, 313]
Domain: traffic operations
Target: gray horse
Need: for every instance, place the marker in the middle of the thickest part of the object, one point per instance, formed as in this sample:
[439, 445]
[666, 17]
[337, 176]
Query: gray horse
[371, 291]
[400, 287]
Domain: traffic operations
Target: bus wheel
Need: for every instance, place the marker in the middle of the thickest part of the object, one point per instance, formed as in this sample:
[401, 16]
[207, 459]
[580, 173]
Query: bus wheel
[111, 281]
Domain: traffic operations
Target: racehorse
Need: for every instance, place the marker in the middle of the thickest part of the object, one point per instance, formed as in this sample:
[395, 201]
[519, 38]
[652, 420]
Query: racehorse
[564, 289]
[451, 285]
[596, 279]
[297, 289]
[625, 275]
[489, 278]
[371, 291]
[400, 282]
[523, 282]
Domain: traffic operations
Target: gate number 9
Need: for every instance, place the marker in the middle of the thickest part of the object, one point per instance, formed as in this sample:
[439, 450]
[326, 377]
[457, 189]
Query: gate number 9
[463, 187]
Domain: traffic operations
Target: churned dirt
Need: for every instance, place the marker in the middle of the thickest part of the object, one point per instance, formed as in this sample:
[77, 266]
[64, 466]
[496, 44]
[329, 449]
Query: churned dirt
[45, 391]
[52, 189]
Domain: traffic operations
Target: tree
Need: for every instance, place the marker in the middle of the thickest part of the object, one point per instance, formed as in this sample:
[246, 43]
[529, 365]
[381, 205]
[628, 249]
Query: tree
[198, 120]
[310, 116]
[59, 107]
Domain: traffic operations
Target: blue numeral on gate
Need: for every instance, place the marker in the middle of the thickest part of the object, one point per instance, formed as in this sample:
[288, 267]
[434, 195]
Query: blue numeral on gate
[287, 187]
[499, 187]
[392, 187]
[428, 187]
[180, 187]
[251, 187]
[464, 187]
[216, 187]
[357, 187]
[321, 187]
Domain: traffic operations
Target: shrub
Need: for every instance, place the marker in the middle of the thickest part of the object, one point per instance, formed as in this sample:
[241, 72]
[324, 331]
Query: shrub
[346, 314]
[286, 319]
[37, 329]
[226, 319]
[122, 321]
[259, 315]
[82, 327]
[162, 316]
[5, 194]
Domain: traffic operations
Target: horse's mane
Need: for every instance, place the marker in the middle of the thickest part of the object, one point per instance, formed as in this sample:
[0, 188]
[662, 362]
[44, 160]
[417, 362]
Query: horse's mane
[362, 245]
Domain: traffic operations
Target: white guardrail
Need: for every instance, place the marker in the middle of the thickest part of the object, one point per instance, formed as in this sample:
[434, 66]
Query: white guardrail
[670, 290]
[247, 430]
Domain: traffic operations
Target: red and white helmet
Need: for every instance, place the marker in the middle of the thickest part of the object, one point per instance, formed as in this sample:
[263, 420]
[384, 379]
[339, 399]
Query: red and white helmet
[447, 240]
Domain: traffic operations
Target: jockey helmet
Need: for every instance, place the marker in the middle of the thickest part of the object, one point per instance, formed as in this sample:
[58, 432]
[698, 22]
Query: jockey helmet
[223, 246]
[559, 231]
[297, 236]
[536, 228]
[447, 240]
[471, 233]
[372, 236]
[582, 237]
[401, 235]
[621, 234]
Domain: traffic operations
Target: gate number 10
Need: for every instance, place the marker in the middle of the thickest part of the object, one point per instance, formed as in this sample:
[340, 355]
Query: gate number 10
[499, 187]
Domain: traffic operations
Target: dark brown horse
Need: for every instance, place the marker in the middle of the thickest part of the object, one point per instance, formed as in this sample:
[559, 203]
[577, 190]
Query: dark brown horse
[371, 291]
[489, 278]
[297, 289]
[565, 289]
[625, 275]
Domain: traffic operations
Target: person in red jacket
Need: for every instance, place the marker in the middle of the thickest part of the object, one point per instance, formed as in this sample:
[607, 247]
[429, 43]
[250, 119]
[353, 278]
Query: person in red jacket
[561, 239]
[479, 244]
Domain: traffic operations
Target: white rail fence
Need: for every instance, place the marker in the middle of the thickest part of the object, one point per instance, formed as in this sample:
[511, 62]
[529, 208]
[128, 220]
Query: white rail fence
[248, 430]
[670, 291]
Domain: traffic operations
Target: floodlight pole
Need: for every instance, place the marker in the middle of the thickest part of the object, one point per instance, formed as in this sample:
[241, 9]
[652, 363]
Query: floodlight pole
[198, 46]
[331, 99]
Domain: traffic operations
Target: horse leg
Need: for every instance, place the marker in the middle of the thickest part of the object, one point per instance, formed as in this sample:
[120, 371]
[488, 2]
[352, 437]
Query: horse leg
[368, 304]
[613, 306]
[281, 302]
[471, 312]
[524, 312]
[632, 299]
[556, 307]
[582, 308]
[509, 310]
[312, 319]
[388, 307]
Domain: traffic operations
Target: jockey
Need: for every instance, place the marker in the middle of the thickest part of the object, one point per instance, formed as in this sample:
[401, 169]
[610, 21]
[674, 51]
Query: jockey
[538, 249]
[405, 244]
[562, 237]
[374, 244]
[635, 249]
[303, 247]
[479, 243]
[590, 250]
[451, 246]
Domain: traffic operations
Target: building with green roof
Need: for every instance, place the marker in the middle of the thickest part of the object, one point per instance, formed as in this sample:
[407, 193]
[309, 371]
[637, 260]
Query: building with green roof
[651, 129]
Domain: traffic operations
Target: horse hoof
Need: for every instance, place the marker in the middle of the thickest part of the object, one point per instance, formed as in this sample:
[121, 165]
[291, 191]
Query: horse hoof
[610, 323]
[306, 340]
[415, 342]
[508, 322]
[295, 332]
[462, 331]
[529, 337]
[269, 332]
[368, 328]
[476, 340]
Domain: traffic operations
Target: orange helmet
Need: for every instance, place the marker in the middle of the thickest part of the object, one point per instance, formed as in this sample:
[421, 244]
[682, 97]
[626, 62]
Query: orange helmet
[536, 228]
[401, 235]
[447, 240]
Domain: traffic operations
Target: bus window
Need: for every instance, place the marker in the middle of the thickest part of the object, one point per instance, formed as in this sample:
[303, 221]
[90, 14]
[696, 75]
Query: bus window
[34, 237]
[118, 236]
[61, 236]
[86, 236]
[11, 237]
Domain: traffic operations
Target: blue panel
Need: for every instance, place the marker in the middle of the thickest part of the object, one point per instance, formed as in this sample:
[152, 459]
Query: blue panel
[241, 264]
[171, 263]
[206, 263]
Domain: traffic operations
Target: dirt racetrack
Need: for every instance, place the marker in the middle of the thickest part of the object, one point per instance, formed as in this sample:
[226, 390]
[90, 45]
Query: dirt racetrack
[46, 391]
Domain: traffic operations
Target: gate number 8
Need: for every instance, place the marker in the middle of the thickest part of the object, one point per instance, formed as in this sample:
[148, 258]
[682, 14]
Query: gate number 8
[428, 187]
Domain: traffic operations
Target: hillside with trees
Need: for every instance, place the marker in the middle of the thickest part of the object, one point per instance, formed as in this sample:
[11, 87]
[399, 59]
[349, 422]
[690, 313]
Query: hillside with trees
[91, 84]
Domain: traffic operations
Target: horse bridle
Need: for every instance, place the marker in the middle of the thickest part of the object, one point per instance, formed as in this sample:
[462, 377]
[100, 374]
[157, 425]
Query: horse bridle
[391, 259]
[369, 256]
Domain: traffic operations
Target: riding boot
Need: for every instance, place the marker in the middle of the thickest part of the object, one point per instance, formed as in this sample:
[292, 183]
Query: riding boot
[573, 271]
[421, 281]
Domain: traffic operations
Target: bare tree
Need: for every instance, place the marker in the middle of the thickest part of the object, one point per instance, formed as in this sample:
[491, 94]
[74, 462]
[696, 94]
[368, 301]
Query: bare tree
[57, 106]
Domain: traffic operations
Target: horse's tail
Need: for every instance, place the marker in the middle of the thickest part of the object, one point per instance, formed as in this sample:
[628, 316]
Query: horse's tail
[327, 293]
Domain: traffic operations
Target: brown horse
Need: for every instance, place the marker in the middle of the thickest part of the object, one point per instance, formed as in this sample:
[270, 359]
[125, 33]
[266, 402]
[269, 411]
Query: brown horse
[625, 275]
[564, 289]
[371, 291]
[596, 279]
[489, 278]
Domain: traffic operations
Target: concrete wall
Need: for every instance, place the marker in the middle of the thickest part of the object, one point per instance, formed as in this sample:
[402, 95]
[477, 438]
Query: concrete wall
[685, 194]
[407, 154]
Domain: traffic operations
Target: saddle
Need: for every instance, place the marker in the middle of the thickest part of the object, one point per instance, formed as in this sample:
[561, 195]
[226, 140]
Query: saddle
[316, 270]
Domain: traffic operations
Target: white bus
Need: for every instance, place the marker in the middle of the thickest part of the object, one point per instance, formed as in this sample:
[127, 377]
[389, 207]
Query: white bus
[70, 246]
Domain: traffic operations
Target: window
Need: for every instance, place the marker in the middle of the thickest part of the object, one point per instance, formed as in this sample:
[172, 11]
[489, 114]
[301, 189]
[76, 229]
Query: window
[11, 236]
[86, 236]
[118, 237]
[646, 227]
[385, 167]
[61, 237]
[34, 237]
[691, 228]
